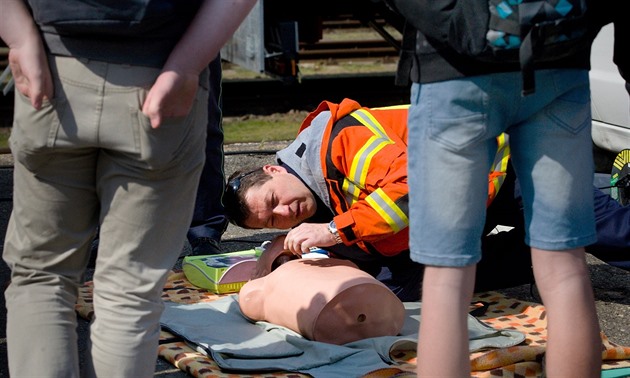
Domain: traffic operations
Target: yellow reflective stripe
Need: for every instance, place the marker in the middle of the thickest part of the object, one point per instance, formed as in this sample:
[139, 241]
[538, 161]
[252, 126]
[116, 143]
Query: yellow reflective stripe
[497, 182]
[352, 191]
[388, 210]
[393, 107]
[360, 163]
[500, 160]
[370, 122]
[353, 184]
[355, 180]
[359, 167]
[503, 153]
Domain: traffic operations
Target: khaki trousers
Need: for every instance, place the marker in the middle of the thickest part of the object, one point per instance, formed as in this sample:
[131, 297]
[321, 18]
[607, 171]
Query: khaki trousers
[90, 158]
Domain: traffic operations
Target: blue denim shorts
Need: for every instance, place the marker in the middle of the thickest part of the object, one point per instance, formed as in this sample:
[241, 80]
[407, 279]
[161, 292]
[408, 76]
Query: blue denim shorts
[453, 127]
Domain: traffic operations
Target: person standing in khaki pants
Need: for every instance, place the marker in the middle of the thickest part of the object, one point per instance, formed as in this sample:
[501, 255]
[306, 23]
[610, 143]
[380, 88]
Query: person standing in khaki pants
[109, 131]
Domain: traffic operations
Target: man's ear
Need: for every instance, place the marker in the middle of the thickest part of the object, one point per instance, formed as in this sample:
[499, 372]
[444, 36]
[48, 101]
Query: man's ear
[273, 169]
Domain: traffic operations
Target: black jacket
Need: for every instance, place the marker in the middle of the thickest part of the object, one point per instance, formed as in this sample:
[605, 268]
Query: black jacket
[427, 58]
[136, 32]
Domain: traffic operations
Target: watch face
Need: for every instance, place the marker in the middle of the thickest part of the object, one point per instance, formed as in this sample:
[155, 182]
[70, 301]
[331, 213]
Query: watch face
[332, 227]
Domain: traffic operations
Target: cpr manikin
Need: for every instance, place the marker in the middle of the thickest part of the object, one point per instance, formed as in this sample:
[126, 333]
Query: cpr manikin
[327, 299]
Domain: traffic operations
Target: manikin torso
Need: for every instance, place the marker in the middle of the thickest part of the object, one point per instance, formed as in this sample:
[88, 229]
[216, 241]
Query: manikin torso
[327, 299]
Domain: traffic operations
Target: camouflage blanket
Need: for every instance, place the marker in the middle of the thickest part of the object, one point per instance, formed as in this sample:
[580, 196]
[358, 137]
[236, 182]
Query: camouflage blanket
[497, 310]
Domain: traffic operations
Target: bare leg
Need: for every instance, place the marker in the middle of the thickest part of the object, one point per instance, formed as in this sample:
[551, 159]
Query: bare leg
[574, 341]
[443, 340]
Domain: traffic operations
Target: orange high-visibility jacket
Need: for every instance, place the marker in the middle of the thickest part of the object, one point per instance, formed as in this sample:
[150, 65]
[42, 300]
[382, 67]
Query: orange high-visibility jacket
[355, 159]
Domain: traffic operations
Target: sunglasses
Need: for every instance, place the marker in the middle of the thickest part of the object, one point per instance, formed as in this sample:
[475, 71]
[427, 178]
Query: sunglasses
[235, 184]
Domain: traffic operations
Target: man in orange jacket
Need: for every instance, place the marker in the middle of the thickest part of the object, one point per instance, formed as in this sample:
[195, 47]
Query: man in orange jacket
[342, 186]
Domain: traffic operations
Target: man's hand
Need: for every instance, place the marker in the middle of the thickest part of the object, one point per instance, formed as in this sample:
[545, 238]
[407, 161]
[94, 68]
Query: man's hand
[172, 95]
[173, 92]
[31, 74]
[27, 58]
[308, 235]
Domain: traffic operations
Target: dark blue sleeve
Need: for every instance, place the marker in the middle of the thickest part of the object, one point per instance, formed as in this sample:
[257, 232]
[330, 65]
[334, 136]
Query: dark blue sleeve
[209, 219]
[613, 229]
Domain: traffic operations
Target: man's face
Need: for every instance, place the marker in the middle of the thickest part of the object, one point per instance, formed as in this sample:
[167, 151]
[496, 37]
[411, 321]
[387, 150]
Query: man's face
[282, 202]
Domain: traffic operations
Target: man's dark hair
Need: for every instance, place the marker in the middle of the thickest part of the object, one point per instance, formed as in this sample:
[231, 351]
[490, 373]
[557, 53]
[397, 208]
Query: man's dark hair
[238, 184]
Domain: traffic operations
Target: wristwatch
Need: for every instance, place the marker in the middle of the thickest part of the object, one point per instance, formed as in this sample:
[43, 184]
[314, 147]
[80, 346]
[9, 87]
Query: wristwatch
[332, 228]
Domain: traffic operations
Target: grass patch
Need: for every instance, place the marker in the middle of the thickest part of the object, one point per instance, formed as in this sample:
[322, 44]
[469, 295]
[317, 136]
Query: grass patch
[4, 137]
[254, 129]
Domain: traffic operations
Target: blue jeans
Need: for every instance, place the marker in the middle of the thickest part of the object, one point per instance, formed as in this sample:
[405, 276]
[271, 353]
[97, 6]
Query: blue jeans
[452, 130]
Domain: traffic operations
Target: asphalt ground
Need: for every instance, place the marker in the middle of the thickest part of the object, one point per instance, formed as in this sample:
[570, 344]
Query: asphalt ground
[611, 285]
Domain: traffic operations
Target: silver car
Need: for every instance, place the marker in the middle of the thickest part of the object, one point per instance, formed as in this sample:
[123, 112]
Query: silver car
[610, 100]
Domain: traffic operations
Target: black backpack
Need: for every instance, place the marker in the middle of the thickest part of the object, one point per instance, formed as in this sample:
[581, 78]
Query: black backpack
[519, 31]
